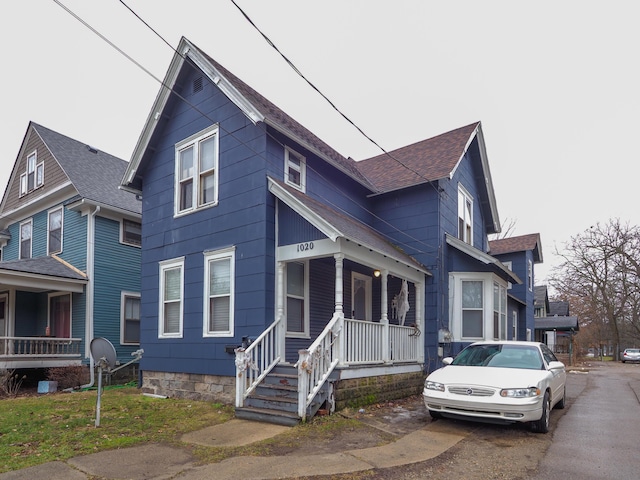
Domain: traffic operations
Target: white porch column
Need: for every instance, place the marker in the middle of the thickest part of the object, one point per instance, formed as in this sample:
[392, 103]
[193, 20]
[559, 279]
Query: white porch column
[420, 318]
[384, 308]
[339, 307]
[281, 330]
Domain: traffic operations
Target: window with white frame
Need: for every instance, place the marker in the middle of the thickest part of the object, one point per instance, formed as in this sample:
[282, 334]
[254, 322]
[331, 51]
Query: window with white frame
[499, 312]
[26, 232]
[530, 275]
[130, 318]
[477, 306]
[472, 309]
[465, 216]
[514, 331]
[54, 229]
[297, 304]
[294, 169]
[171, 298]
[33, 177]
[219, 274]
[131, 233]
[197, 171]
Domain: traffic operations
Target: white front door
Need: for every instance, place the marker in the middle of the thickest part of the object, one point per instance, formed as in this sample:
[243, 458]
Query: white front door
[361, 296]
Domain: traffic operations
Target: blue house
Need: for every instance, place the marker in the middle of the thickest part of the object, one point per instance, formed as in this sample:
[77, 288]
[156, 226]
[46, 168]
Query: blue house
[281, 276]
[70, 250]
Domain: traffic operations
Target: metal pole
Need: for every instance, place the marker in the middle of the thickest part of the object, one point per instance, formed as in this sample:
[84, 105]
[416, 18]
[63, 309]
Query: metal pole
[99, 394]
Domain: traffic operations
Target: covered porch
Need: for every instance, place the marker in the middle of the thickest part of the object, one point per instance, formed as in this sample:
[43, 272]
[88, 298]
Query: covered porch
[348, 305]
[38, 298]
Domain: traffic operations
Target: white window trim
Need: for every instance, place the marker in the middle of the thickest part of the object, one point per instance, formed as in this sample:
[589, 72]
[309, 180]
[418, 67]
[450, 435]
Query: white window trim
[55, 209]
[208, 257]
[503, 326]
[30, 221]
[123, 296]
[38, 179]
[469, 197]
[122, 239]
[455, 303]
[306, 327]
[303, 169]
[194, 140]
[530, 275]
[168, 265]
[514, 325]
[368, 295]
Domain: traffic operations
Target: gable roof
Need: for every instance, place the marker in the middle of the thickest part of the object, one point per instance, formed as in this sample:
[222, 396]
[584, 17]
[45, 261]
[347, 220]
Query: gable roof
[256, 108]
[94, 174]
[42, 273]
[521, 243]
[559, 308]
[540, 296]
[335, 224]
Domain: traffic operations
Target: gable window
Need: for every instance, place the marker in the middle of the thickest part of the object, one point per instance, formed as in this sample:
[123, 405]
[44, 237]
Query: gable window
[294, 169]
[530, 275]
[25, 239]
[465, 216]
[219, 295]
[34, 175]
[472, 309]
[197, 171]
[131, 233]
[171, 292]
[297, 304]
[54, 228]
[130, 319]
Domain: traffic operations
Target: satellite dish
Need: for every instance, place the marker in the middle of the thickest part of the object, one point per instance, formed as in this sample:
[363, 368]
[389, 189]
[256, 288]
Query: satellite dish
[103, 352]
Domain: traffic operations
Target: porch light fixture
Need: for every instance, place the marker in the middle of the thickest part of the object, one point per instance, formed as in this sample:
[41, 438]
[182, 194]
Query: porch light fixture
[376, 273]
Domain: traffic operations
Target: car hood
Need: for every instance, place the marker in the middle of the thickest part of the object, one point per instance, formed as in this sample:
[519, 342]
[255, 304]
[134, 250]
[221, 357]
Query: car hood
[488, 376]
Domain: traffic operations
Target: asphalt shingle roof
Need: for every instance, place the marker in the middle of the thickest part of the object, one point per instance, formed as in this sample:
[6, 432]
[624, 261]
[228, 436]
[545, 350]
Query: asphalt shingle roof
[48, 266]
[421, 162]
[95, 174]
[521, 243]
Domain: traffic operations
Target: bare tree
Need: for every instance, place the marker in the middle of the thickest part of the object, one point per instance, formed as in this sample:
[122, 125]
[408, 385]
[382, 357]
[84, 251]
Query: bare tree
[600, 271]
[506, 229]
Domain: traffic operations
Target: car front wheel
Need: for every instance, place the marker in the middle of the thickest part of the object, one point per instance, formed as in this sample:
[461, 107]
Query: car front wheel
[542, 425]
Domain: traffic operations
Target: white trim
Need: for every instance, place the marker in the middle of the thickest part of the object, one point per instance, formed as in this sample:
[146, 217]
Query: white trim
[164, 266]
[467, 197]
[215, 255]
[123, 296]
[24, 222]
[305, 321]
[302, 169]
[49, 212]
[122, 238]
[4, 330]
[194, 142]
[480, 256]
[368, 296]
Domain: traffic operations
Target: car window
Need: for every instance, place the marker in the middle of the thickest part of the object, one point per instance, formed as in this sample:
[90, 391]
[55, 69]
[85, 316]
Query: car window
[548, 354]
[504, 356]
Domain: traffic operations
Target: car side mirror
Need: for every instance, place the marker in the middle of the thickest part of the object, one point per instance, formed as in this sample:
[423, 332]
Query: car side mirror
[447, 360]
[556, 365]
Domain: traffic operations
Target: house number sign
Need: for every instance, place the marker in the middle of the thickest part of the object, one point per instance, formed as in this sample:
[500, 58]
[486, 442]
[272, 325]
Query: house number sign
[304, 247]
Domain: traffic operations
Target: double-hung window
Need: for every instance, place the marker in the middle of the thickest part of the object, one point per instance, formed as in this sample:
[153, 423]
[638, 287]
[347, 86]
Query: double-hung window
[219, 293]
[130, 321]
[197, 171]
[297, 304]
[294, 169]
[465, 216]
[472, 309]
[34, 175]
[26, 232]
[171, 298]
[54, 228]
[499, 312]
[131, 233]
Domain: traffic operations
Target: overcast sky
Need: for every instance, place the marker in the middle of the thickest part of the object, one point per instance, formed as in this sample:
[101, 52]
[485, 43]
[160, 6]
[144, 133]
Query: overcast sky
[554, 83]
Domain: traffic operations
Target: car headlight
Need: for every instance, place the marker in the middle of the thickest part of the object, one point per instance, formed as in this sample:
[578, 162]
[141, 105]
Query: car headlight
[520, 392]
[429, 385]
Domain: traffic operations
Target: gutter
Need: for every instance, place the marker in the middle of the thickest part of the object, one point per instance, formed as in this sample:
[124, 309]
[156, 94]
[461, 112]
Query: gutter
[91, 222]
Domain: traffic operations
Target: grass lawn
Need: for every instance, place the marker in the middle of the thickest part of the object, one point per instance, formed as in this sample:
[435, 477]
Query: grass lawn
[39, 429]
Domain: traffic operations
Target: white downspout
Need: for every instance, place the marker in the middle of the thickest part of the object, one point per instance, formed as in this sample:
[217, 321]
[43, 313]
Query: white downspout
[89, 292]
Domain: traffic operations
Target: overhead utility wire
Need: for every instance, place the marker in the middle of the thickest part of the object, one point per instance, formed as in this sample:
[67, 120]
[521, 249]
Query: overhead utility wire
[297, 70]
[193, 106]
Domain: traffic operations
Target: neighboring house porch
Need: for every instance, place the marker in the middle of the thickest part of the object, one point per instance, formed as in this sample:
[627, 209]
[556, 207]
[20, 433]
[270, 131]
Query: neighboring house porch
[38, 298]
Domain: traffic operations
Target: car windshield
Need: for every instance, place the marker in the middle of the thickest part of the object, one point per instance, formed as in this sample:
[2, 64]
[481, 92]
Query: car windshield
[499, 355]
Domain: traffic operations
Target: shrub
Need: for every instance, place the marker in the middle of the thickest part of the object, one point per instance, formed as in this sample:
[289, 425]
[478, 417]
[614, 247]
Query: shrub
[10, 382]
[69, 377]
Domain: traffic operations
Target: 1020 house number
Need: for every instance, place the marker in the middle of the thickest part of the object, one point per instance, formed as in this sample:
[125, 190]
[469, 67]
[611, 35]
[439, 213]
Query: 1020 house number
[305, 247]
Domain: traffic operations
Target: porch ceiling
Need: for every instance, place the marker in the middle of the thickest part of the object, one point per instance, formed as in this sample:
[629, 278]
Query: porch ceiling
[41, 274]
[336, 225]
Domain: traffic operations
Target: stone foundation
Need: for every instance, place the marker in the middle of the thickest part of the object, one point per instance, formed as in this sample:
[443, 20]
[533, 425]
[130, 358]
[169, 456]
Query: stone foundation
[358, 392]
[192, 386]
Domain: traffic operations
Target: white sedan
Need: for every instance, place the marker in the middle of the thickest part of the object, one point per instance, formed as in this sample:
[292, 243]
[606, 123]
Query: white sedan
[501, 381]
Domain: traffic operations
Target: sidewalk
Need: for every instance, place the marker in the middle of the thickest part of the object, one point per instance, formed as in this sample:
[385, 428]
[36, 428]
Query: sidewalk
[153, 461]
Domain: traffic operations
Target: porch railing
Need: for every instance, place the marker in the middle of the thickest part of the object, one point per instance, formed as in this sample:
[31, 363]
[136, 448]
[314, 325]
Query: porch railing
[316, 364]
[406, 343]
[365, 343]
[256, 361]
[39, 347]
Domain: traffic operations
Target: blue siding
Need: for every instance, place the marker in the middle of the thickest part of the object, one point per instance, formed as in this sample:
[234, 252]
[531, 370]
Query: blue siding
[74, 247]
